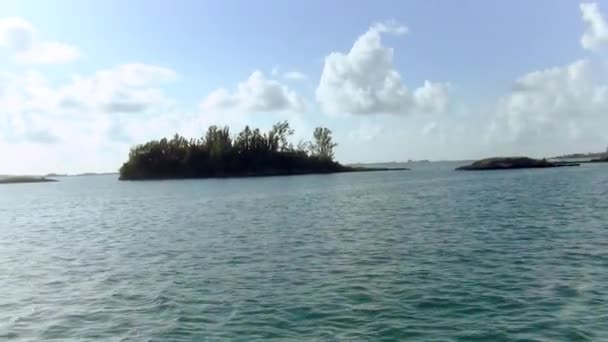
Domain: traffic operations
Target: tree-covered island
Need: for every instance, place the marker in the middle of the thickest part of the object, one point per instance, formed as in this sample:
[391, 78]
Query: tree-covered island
[220, 154]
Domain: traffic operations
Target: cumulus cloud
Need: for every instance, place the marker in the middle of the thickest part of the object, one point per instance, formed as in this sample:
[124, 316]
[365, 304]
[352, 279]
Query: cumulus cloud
[365, 81]
[596, 33]
[22, 41]
[550, 109]
[256, 94]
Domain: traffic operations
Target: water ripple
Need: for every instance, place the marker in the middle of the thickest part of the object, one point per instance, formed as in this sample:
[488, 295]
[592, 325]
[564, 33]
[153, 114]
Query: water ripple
[421, 255]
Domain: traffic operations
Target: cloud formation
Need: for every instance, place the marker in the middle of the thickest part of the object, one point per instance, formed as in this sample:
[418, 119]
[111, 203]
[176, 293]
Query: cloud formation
[23, 43]
[39, 112]
[256, 94]
[553, 108]
[365, 81]
[127, 88]
[596, 33]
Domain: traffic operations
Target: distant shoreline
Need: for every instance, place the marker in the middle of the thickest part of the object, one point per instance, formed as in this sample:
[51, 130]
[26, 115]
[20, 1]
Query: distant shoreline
[272, 174]
[22, 179]
[511, 163]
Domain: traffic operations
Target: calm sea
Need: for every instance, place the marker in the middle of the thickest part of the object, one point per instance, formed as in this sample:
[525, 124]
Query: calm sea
[427, 254]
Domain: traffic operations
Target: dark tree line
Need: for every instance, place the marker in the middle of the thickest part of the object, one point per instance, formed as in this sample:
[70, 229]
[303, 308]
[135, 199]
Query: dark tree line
[220, 154]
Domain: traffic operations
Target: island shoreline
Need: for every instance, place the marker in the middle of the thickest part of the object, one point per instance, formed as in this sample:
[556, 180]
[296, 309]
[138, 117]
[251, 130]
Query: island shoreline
[265, 174]
[512, 163]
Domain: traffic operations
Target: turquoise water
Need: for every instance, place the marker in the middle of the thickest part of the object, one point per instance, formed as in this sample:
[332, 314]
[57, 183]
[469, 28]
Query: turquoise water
[428, 254]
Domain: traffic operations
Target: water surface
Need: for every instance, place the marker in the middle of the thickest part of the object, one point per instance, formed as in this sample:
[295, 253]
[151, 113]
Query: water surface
[428, 254]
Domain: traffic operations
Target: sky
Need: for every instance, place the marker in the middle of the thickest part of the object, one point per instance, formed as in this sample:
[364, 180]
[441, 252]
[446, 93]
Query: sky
[83, 81]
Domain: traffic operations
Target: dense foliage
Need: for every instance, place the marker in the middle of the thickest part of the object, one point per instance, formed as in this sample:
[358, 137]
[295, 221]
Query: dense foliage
[220, 154]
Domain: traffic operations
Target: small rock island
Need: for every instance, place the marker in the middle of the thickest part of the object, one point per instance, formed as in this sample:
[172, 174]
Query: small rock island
[250, 153]
[25, 179]
[507, 163]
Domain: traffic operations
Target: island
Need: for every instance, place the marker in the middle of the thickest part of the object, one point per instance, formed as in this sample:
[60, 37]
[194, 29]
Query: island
[593, 157]
[25, 179]
[56, 175]
[588, 156]
[507, 163]
[249, 153]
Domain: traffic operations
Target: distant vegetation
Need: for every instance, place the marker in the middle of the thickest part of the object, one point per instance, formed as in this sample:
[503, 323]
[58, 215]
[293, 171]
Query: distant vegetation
[56, 175]
[600, 160]
[220, 154]
[590, 155]
[581, 155]
[24, 179]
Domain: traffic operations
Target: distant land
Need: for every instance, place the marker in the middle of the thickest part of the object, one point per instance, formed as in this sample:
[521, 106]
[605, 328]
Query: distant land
[389, 164]
[24, 179]
[57, 175]
[589, 155]
[95, 174]
[508, 163]
[250, 153]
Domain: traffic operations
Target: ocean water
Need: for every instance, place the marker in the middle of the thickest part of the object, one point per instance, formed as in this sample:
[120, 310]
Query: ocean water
[428, 254]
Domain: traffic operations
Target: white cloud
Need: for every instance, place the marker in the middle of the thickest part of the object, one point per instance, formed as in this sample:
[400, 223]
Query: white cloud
[16, 34]
[88, 123]
[23, 43]
[127, 88]
[552, 109]
[256, 94]
[34, 110]
[596, 33]
[432, 97]
[365, 81]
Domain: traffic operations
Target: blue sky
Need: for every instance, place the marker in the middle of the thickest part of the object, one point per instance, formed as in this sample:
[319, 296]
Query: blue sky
[472, 53]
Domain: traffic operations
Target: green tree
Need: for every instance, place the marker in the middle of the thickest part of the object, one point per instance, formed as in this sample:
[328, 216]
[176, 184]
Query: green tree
[278, 136]
[323, 145]
[217, 154]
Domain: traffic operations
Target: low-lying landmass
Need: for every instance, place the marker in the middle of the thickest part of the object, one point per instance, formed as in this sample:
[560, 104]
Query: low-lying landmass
[95, 174]
[590, 155]
[250, 153]
[507, 163]
[25, 179]
[603, 159]
[57, 175]
[593, 157]
[378, 165]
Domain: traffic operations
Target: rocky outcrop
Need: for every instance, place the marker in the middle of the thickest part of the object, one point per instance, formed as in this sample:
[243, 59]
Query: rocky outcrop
[507, 163]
